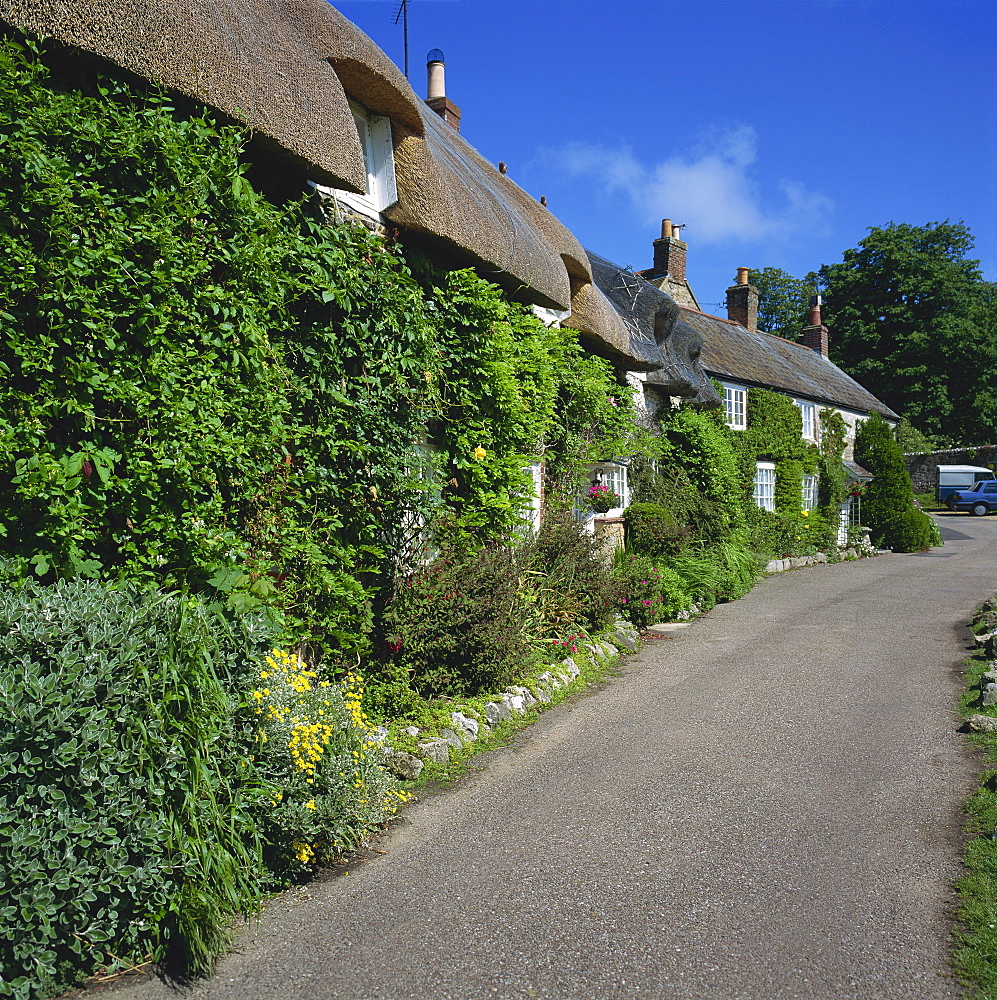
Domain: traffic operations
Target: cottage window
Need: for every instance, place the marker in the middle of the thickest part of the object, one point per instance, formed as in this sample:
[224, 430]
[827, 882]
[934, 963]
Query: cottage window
[735, 406]
[374, 133]
[765, 485]
[613, 475]
[809, 492]
[808, 414]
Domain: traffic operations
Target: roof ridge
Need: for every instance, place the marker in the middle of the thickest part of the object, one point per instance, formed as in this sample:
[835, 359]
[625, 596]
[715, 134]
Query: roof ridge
[733, 322]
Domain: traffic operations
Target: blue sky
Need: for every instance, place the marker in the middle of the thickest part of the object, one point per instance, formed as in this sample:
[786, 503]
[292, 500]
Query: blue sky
[778, 131]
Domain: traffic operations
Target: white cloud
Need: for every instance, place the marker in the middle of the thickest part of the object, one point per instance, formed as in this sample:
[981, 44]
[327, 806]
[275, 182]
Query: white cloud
[712, 188]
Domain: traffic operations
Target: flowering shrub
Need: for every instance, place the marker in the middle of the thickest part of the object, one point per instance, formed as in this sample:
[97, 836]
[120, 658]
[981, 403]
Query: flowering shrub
[647, 592]
[326, 788]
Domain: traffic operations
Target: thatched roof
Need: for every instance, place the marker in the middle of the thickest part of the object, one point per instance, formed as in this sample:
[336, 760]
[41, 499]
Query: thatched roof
[730, 351]
[651, 330]
[285, 67]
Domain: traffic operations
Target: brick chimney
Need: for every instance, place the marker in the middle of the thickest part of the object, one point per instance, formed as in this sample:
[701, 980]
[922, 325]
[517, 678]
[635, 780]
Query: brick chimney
[742, 301]
[815, 333]
[436, 91]
[669, 253]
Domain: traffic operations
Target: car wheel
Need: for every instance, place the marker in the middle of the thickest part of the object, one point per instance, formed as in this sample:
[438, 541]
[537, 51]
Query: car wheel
[979, 509]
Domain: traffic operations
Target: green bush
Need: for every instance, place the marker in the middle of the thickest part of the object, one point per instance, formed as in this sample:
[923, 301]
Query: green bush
[455, 627]
[653, 530]
[125, 786]
[909, 531]
[888, 501]
[647, 591]
[569, 562]
[800, 533]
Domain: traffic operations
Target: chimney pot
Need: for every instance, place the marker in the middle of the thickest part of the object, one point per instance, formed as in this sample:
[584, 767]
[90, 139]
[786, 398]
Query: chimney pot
[742, 301]
[669, 253]
[437, 98]
[814, 335]
[436, 70]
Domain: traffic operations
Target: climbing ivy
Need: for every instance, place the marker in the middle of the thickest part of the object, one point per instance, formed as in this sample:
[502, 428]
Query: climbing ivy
[202, 389]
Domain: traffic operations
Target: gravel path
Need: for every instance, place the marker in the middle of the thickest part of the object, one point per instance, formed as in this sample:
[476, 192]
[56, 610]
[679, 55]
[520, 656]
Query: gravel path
[764, 806]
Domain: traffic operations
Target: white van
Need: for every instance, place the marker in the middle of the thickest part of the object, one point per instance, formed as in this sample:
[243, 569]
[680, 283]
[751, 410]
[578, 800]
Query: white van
[959, 477]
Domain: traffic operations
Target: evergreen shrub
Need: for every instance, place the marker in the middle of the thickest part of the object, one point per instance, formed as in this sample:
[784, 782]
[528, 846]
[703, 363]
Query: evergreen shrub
[653, 530]
[571, 562]
[126, 789]
[455, 627]
[888, 500]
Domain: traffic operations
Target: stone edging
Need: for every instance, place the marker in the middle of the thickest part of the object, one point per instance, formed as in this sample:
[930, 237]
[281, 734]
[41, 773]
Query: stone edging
[795, 562]
[515, 700]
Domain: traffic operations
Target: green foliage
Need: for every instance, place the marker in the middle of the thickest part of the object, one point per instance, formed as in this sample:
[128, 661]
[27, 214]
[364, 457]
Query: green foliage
[648, 591]
[911, 440]
[783, 301]
[653, 530]
[913, 322]
[455, 626]
[888, 501]
[568, 565]
[207, 391]
[126, 787]
[697, 448]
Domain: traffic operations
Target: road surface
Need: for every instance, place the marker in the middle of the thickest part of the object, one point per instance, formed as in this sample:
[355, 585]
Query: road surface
[764, 807]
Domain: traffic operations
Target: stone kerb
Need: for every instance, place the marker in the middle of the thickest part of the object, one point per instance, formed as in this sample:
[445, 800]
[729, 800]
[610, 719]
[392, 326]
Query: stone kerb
[515, 701]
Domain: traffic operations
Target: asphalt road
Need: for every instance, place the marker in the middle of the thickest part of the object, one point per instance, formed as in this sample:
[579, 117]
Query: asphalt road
[765, 806]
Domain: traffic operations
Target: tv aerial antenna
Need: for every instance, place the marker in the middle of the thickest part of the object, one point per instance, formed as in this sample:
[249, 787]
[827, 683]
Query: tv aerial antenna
[402, 15]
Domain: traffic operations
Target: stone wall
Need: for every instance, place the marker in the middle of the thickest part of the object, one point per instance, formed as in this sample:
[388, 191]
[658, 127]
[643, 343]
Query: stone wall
[922, 467]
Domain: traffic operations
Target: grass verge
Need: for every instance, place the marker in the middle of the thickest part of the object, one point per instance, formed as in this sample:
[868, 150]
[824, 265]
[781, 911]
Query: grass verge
[974, 954]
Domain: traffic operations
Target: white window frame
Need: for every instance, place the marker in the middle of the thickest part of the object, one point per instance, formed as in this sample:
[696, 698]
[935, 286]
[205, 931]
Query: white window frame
[764, 485]
[809, 498]
[735, 406]
[808, 416]
[374, 133]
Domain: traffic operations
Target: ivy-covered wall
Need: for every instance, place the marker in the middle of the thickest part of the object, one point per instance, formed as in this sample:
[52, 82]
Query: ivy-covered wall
[204, 389]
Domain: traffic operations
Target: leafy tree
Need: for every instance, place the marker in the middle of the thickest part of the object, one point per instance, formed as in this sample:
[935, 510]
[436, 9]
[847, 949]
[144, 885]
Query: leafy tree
[911, 440]
[783, 301]
[911, 320]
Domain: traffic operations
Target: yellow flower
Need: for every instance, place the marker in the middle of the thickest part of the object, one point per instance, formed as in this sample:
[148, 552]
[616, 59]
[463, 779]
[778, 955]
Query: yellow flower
[479, 453]
[806, 513]
[429, 377]
[310, 805]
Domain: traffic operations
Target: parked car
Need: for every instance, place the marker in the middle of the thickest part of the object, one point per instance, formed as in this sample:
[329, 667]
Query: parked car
[950, 479]
[980, 500]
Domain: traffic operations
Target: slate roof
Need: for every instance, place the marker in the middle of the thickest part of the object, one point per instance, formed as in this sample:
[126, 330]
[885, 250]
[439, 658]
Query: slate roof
[730, 351]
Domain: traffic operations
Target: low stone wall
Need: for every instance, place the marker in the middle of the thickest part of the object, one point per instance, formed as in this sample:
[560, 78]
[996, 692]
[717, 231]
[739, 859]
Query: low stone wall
[922, 468]
[467, 724]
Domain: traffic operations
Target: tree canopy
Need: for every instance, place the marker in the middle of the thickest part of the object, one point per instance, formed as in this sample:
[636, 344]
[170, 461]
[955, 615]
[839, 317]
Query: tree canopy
[911, 319]
[783, 301]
